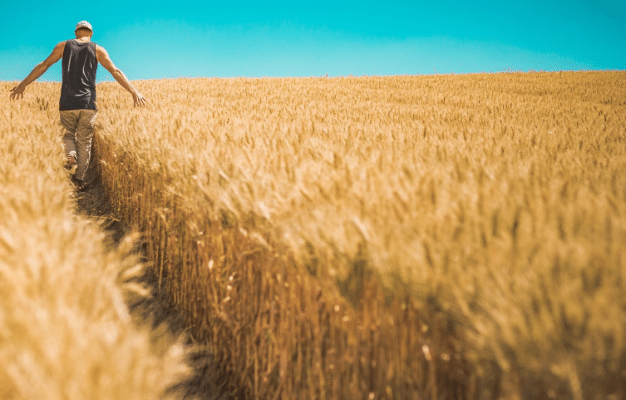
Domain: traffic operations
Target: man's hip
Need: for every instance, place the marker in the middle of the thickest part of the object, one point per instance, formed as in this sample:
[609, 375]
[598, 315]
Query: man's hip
[79, 122]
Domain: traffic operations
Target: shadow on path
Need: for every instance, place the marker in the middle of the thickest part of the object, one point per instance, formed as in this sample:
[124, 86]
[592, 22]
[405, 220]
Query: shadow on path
[155, 310]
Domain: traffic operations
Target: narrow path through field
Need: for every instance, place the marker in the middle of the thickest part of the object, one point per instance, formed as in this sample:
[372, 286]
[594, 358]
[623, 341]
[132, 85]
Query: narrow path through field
[155, 310]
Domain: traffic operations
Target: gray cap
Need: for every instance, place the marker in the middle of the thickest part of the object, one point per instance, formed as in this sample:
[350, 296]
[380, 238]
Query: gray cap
[83, 24]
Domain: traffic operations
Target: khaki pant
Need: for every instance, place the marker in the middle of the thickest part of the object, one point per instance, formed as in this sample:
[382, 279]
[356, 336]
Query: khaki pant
[79, 129]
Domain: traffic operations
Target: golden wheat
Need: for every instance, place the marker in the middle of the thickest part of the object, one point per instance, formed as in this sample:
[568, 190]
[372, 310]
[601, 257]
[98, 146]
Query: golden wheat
[386, 237]
[65, 331]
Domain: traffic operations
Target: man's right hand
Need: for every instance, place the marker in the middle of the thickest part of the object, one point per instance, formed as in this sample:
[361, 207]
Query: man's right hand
[139, 100]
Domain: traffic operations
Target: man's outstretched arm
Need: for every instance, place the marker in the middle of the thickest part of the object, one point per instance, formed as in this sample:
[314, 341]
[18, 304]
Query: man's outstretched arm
[18, 91]
[105, 60]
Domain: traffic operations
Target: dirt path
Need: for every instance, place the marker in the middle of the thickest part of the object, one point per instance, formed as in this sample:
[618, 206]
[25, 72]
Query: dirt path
[155, 310]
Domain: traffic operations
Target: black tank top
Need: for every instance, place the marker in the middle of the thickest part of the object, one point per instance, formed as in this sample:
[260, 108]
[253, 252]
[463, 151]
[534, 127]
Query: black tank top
[78, 91]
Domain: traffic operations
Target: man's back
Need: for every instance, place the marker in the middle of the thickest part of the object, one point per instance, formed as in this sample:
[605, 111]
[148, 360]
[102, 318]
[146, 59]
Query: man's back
[80, 63]
[87, 56]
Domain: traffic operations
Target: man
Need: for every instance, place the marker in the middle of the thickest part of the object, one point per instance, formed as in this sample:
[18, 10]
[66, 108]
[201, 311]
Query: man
[77, 105]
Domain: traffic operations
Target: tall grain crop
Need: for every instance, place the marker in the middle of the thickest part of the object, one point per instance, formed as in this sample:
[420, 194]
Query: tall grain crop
[65, 330]
[387, 237]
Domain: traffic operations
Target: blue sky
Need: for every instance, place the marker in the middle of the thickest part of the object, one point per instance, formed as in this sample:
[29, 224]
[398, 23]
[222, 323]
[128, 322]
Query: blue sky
[169, 39]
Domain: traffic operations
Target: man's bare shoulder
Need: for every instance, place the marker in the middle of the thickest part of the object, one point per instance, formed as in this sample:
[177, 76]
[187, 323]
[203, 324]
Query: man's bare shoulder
[101, 52]
[56, 54]
[101, 49]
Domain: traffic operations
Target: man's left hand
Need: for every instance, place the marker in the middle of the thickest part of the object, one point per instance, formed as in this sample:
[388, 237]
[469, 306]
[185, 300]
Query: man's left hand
[17, 92]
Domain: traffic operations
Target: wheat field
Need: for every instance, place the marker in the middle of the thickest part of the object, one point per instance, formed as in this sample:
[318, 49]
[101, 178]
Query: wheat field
[446, 236]
[65, 329]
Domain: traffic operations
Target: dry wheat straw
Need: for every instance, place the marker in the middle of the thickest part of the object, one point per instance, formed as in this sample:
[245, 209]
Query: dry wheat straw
[65, 331]
[388, 237]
